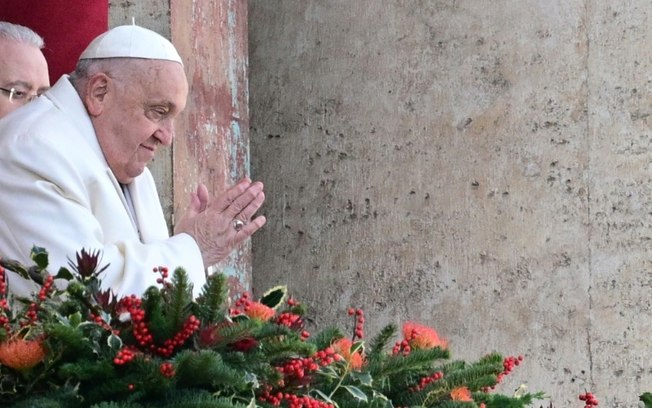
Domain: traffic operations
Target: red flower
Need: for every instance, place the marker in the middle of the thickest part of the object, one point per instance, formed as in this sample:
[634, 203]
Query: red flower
[21, 354]
[343, 348]
[461, 394]
[422, 337]
[259, 311]
[244, 345]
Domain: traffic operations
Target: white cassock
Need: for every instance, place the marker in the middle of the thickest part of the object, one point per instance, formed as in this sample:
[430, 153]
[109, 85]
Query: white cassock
[57, 192]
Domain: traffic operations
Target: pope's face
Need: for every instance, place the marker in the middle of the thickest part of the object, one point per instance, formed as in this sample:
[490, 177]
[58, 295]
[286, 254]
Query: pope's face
[22, 68]
[138, 115]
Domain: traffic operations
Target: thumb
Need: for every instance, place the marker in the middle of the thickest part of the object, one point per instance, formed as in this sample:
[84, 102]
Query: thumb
[202, 197]
[198, 204]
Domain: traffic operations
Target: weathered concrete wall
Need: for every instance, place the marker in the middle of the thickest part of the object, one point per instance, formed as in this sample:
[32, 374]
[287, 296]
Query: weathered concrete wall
[212, 146]
[483, 167]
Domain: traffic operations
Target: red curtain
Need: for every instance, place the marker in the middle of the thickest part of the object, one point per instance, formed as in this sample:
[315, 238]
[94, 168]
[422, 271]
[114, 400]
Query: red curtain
[67, 26]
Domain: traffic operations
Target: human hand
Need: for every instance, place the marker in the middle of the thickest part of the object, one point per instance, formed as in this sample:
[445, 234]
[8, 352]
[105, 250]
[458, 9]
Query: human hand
[218, 227]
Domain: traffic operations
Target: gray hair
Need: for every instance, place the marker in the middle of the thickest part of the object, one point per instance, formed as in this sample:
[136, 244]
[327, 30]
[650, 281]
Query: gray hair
[21, 34]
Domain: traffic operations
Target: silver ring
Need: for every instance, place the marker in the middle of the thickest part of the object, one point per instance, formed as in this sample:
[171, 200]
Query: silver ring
[238, 224]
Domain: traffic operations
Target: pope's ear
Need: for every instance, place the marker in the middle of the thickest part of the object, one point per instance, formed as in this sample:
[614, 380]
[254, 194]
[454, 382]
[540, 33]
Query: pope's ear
[96, 93]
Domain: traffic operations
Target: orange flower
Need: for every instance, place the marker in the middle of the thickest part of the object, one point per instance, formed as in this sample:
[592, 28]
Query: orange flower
[21, 354]
[461, 394]
[343, 348]
[422, 337]
[258, 311]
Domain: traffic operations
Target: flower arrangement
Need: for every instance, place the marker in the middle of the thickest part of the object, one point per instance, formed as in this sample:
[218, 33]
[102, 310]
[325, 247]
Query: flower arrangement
[83, 347]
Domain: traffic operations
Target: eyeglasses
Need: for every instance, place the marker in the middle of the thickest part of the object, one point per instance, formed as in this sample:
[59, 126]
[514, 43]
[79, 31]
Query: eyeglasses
[16, 96]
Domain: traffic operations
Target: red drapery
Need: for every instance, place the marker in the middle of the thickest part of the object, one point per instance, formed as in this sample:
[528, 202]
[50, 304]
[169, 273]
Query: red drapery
[67, 26]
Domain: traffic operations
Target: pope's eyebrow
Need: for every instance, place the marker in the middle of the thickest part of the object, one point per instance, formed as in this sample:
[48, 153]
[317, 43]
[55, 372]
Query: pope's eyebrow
[22, 84]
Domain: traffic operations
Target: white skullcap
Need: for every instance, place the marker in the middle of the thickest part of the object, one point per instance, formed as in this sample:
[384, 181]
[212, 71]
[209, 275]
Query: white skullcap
[131, 41]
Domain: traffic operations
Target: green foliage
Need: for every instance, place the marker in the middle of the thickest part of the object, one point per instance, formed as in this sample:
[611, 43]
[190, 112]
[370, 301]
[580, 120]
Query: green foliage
[209, 307]
[646, 397]
[274, 297]
[167, 349]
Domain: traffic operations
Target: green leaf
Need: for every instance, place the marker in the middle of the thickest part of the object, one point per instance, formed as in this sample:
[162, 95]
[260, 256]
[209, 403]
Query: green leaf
[114, 342]
[363, 378]
[64, 274]
[40, 257]
[325, 397]
[330, 372]
[75, 319]
[647, 399]
[252, 403]
[251, 378]
[358, 345]
[274, 297]
[356, 392]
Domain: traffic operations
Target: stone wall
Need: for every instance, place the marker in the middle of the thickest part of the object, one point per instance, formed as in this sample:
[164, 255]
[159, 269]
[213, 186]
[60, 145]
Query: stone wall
[479, 166]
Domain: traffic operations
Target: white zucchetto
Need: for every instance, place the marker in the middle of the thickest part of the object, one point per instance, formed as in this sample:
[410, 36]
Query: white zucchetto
[131, 41]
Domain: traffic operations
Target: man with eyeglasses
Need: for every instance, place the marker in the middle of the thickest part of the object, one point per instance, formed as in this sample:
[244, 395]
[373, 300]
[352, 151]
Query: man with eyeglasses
[23, 69]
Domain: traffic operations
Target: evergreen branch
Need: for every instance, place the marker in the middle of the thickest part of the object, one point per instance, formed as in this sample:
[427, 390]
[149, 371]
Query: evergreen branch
[285, 348]
[206, 367]
[380, 342]
[326, 337]
[179, 298]
[209, 306]
[398, 364]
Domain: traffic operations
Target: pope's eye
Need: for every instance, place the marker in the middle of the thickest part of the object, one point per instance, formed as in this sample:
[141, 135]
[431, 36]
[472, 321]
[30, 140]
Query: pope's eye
[158, 113]
[19, 94]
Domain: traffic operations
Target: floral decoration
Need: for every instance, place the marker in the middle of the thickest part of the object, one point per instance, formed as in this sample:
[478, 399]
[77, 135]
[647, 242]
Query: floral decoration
[78, 345]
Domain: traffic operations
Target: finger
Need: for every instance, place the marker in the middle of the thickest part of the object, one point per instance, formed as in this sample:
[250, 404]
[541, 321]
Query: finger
[232, 194]
[243, 200]
[252, 207]
[250, 228]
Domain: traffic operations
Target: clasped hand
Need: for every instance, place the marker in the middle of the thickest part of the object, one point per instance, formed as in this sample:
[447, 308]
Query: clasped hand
[219, 226]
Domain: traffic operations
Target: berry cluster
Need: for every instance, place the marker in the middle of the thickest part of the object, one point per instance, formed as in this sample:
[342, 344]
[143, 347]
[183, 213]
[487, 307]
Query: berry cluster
[359, 322]
[402, 347]
[167, 369]
[103, 324]
[291, 320]
[424, 381]
[589, 399]
[240, 305]
[296, 369]
[31, 316]
[508, 365]
[4, 319]
[164, 275]
[125, 355]
[293, 401]
[141, 333]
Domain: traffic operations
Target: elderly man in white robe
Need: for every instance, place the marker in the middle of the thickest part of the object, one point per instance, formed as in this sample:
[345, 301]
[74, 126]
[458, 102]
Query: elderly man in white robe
[75, 176]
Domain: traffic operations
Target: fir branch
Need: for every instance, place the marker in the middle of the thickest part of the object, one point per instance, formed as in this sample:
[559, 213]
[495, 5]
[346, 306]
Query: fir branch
[379, 343]
[198, 399]
[206, 368]
[286, 347]
[398, 364]
[326, 337]
[209, 306]
[474, 377]
[179, 297]
[237, 331]
[158, 323]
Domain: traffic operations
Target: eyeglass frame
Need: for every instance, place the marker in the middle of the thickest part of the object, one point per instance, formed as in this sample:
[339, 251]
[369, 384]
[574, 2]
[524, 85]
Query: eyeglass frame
[15, 95]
